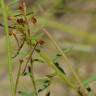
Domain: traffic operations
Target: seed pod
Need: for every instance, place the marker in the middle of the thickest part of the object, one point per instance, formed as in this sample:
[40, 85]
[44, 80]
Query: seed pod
[33, 20]
[22, 7]
[10, 18]
[41, 42]
[20, 21]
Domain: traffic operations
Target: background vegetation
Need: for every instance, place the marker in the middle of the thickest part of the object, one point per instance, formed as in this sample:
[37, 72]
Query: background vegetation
[66, 32]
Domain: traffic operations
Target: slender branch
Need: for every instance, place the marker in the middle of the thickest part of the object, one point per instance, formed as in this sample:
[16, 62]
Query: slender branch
[16, 38]
[18, 76]
[32, 77]
[8, 46]
[29, 58]
[52, 65]
[66, 61]
[12, 27]
[26, 14]
[19, 49]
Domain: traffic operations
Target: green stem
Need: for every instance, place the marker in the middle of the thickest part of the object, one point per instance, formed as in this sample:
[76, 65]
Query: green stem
[4, 12]
[66, 60]
[59, 73]
[18, 77]
[32, 77]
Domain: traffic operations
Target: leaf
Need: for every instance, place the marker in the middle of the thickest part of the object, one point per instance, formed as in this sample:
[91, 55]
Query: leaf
[67, 50]
[43, 83]
[87, 82]
[55, 59]
[23, 53]
[44, 86]
[90, 79]
[61, 69]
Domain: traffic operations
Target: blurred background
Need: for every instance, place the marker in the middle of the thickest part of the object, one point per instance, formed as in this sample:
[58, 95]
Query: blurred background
[73, 24]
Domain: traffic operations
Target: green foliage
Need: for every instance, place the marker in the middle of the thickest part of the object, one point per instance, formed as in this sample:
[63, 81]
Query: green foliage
[29, 29]
[89, 80]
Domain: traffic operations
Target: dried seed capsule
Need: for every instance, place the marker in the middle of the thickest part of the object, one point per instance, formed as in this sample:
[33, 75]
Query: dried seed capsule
[10, 18]
[22, 7]
[34, 20]
[41, 42]
[20, 21]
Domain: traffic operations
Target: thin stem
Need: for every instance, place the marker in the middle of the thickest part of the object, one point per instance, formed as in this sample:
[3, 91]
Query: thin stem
[66, 60]
[16, 38]
[18, 77]
[52, 65]
[32, 77]
[1, 25]
[30, 56]
[19, 49]
[8, 46]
